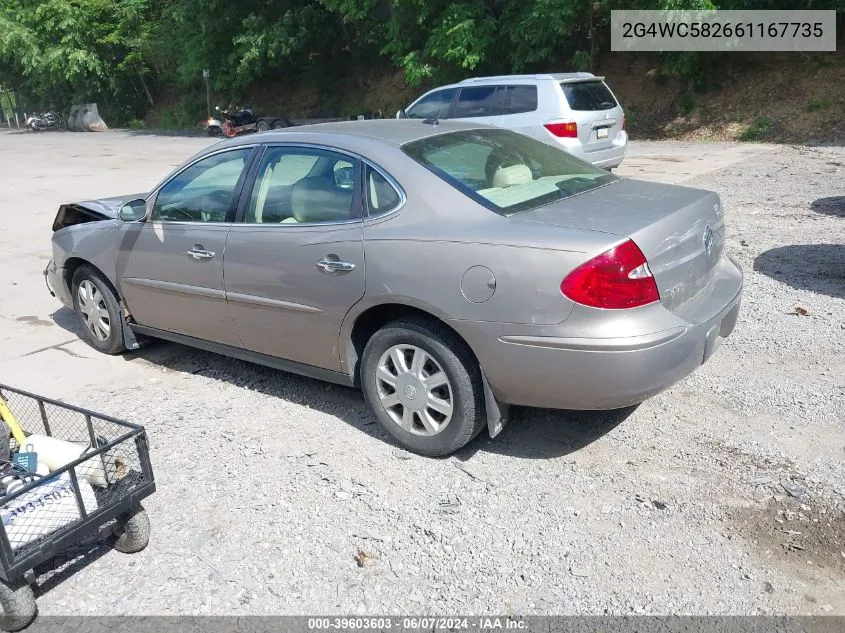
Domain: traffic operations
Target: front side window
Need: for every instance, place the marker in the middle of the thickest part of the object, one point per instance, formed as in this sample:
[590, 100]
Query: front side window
[301, 185]
[202, 192]
[588, 96]
[479, 101]
[505, 171]
[381, 195]
[434, 106]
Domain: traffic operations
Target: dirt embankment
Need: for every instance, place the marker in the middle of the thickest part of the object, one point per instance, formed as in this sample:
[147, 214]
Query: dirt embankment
[791, 98]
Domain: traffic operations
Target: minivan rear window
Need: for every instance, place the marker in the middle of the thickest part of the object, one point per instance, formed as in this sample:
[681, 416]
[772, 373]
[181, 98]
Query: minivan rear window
[504, 171]
[588, 95]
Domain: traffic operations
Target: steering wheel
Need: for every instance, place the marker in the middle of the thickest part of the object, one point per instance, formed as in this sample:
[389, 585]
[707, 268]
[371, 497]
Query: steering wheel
[174, 213]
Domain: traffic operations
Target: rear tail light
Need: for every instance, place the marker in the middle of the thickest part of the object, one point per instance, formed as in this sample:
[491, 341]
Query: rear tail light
[562, 129]
[616, 279]
[624, 121]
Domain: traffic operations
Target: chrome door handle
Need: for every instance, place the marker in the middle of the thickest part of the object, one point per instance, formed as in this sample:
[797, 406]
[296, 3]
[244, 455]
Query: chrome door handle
[334, 266]
[199, 253]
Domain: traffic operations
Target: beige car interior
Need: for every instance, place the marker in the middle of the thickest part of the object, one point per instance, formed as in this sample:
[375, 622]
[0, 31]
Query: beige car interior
[296, 189]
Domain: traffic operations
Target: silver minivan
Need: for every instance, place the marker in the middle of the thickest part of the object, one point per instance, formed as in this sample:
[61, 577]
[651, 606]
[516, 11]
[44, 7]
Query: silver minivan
[574, 111]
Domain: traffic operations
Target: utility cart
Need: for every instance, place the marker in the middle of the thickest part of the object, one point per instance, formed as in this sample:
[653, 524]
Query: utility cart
[65, 473]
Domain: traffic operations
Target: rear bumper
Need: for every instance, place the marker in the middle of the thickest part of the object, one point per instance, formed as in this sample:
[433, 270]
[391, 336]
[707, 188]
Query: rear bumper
[605, 158]
[563, 372]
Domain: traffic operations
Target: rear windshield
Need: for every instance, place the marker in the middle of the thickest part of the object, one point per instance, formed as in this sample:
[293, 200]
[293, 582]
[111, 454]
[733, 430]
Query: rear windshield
[505, 171]
[588, 95]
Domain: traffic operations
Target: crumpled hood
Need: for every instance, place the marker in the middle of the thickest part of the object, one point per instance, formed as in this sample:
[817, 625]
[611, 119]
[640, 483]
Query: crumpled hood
[110, 207]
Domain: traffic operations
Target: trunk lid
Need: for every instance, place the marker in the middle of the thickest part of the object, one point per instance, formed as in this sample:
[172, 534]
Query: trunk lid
[680, 230]
[595, 110]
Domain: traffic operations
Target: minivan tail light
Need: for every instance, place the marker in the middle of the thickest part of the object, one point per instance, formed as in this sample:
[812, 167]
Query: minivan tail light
[624, 121]
[617, 279]
[563, 130]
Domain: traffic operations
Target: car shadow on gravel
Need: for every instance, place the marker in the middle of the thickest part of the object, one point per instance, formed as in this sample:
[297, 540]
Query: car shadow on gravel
[815, 267]
[829, 206]
[530, 433]
[544, 433]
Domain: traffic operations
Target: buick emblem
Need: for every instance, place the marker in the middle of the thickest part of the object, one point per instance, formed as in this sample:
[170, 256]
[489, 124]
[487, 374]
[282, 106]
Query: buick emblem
[410, 392]
[708, 240]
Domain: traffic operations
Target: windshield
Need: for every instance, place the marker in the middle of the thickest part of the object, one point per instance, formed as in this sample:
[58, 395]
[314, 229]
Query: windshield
[505, 171]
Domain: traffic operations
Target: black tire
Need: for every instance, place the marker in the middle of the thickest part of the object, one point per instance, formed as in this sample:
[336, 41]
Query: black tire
[262, 126]
[279, 124]
[19, 607]
[457, 362]
[113, 343]
[132, 530]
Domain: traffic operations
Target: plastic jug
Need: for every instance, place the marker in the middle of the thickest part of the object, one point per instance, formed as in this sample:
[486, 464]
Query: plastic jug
[55, 453]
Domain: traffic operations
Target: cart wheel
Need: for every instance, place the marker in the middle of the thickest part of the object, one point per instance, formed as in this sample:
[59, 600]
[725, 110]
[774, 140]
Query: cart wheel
[19, 608]
[133, 530]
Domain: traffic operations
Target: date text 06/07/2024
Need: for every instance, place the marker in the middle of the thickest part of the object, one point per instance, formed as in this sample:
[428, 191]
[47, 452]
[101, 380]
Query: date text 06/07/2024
[480, 623]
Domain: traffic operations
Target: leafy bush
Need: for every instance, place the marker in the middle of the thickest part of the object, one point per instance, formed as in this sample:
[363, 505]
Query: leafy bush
[759, 129]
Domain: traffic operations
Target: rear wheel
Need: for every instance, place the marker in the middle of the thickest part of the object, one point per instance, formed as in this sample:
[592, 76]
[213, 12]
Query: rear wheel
[98, 311]
[132, 530]
[262, 126]
[279, 124]
[423, 385]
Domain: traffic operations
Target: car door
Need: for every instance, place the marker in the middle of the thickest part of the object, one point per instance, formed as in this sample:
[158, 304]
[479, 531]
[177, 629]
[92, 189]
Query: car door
[170, 266]
[520, 109]
[295, 258]
[480, 104]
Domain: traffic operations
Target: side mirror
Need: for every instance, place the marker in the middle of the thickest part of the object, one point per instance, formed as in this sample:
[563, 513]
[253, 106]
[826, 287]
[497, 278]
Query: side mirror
[133, 211]
[401, 115]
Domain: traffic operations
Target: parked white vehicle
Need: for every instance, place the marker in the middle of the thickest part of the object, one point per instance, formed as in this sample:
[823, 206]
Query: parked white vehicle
[574, 111]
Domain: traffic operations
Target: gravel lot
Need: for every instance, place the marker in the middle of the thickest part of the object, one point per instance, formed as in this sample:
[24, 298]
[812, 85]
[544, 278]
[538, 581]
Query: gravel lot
[278, 494]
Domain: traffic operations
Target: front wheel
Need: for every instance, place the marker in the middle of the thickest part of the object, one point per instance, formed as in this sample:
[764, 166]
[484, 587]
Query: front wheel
[132, 530]
[424, 386]
[279, 124]
[19, 608]
[98, 311]
[262, 126]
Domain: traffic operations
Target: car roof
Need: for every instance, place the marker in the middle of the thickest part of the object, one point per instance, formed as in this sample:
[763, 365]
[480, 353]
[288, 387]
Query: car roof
[538, 77]
[391, 131]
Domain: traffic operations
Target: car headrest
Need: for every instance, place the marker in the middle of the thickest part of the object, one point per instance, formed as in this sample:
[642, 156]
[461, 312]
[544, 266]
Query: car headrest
[319, 200]
[513, 175]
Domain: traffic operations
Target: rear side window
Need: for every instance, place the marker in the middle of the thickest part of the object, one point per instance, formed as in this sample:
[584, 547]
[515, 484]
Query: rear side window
[434, 106]
[381, 195]
[588, 95]
[479, 101]
[521, 99]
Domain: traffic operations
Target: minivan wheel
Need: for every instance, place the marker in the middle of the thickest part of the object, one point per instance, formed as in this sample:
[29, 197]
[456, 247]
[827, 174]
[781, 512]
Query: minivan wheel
[423, 385]
[98, 311]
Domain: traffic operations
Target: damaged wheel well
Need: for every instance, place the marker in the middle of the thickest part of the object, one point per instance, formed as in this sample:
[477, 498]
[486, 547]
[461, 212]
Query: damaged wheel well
[72, 264]
[371, 320]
